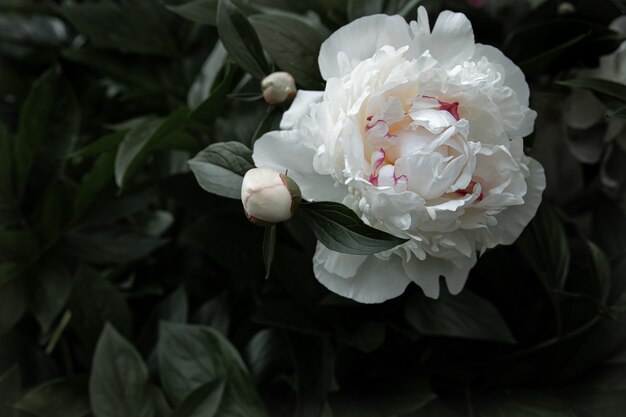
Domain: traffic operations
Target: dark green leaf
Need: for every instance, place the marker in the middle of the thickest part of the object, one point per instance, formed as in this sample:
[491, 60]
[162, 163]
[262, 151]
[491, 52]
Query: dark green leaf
[612, 94]
[105, 144]
[602, 271]
[174, 308]
[544, 245]
[199, 11]
[115, 244]
[220, 168]
[48, 130]
[144, 138]
[128, 26]
[49, 293]
[63, 397]
[17, 245]
[118, 385]
[94, 302]
[341, 230]
[465, 315]
[293, 45]
[203, 402]
[269, 248]
[240, 39]
[12, 304]
[360, 8]
[191, 356]
[10, 385]
[266, 354]
[621, 5]
[215, 313]
[209, 109]
[94, 181]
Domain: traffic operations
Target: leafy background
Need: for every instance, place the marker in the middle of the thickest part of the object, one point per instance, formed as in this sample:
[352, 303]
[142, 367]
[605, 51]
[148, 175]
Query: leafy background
[128, 290]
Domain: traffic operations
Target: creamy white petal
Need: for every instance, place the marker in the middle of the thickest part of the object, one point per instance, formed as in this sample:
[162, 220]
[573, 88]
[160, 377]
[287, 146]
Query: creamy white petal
[300, 107]
[360, 40]
[284, 150]
[376, 280]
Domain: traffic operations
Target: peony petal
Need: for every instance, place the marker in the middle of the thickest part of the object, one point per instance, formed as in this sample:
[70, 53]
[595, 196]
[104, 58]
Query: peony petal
[284, 150]
[360, 40]
[514, 219]
[300, 107]
[375, 281]
[426, 274]
[343, 265]
[451, 40]
[513, 75]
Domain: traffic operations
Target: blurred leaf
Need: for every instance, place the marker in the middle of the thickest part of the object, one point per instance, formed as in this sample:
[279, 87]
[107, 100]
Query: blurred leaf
[602, 271]
[240, 39]
[620, 4]
[265, 352]
[220, 167]
[205, 81]
[49, 123]
[95, 302]
[50, 291]
[544, 245]
[208, 110]
[360, 8]
[526, 404]
[341, 230]
[118, 208]
[118, 385]
[293, 45]
[10, 385]
[191, 356]
[199, 11]
[12, 304]
[174, 308]
[128, 26]
[203, 402]
[115, 244]
[144, 138]
[367, 337]
[465, 315]
[612, 94]
[93, 182]
[18, 245]
[7, 188]
[384, 397]
[63, 397]
[215, 313]
[107, 143]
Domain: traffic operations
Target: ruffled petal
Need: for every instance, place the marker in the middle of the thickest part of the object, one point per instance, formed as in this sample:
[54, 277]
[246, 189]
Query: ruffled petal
[426, 274]
[300, 107]
[284, 150]
[376, 280]
[514, 219]
[360, 40]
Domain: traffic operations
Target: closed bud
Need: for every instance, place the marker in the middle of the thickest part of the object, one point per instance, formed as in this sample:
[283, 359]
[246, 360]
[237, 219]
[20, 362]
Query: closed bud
[269, 197]
[278, 88]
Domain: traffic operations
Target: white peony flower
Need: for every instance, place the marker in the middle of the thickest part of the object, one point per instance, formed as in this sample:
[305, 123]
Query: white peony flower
[419, 133]
[269, 197]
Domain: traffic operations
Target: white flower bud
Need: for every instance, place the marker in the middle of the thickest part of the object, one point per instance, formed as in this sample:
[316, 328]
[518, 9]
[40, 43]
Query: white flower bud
[269, 197]
[278, 88]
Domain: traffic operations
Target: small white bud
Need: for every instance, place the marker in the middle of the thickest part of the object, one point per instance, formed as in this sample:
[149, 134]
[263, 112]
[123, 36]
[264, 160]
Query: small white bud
[278, 88]
[269, 197]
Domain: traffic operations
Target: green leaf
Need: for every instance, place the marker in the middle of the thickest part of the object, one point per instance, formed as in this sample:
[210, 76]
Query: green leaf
[465, 315]
[107, 143]
[220, 167]
[63, 397]
[621, 5]
[48, 129]
[118, 385]
[18, 245]
[203, 402]
[360, 8]
[94, 302]
[544, 245]
[269, 248]
[266, 353]
[127, 26]
[115, 244]
[93, 182]
[10, 385]
[384, 397]
[215, 313]
[12, 304]
[612, 94]
[209, 109]
[144, 138]
[240, 39]
[49, 293]
[174, 308]
[341, 230]
[293, 45]
[199, 11]
[602, 271]
[191, 356]
[7, 188]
